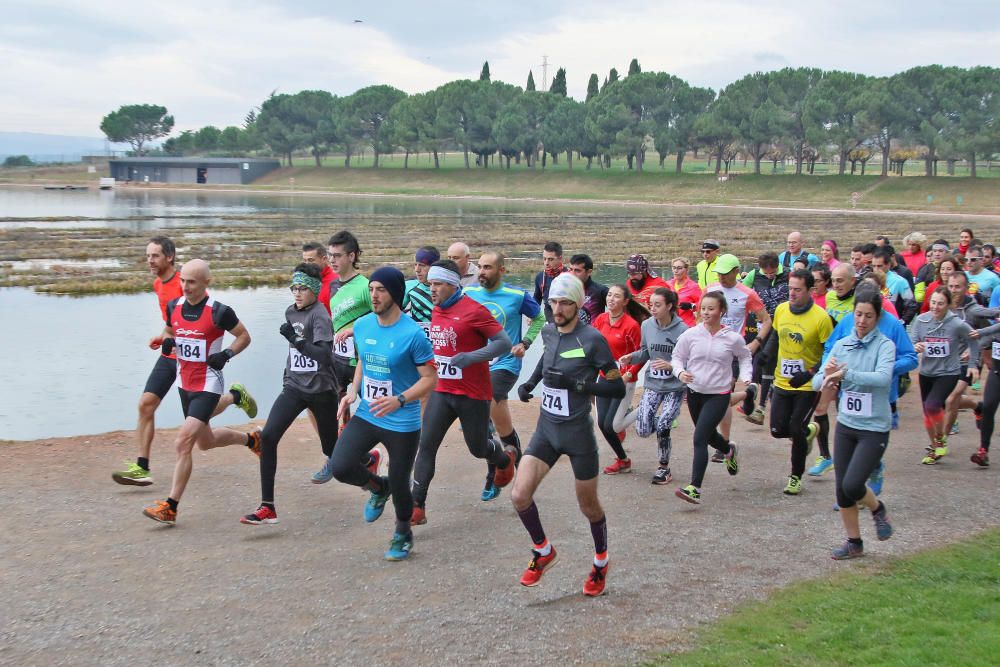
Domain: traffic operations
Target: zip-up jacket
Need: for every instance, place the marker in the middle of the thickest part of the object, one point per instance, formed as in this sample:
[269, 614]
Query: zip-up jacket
[659, 343]
[864, 389]
[709, 358]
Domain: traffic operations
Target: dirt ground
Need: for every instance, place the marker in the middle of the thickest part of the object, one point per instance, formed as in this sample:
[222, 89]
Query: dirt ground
[87, 579]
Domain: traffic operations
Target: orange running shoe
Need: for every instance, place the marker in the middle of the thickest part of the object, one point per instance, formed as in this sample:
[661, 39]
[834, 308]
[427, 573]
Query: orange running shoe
[505, 475]
[537, 567]
[593, 585]
[255, 437]
[161, 512]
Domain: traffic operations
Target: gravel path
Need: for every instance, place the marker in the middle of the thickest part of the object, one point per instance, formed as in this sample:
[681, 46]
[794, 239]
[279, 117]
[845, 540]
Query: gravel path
[87, 580]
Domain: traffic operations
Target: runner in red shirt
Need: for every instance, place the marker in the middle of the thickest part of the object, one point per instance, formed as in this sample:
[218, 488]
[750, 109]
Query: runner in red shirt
[315, 253]
[465, 336]
[160, 255]
[641, 281]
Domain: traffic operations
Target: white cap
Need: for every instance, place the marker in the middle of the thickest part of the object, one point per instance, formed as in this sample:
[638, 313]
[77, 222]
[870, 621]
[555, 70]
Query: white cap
[567, 286]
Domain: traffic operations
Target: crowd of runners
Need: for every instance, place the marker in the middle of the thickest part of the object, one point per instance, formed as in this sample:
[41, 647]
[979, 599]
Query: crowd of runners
[382, 360]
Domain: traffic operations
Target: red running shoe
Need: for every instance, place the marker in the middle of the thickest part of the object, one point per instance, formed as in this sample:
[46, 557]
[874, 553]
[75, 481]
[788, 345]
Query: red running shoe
[263, 516]
[419, 517]
[505, 475]
[255, 439]
[537, 567]
[376, 459]
[619, 466]
[593, 585]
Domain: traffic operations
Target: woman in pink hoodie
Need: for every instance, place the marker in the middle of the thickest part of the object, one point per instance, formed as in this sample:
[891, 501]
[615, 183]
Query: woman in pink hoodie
[704, 360]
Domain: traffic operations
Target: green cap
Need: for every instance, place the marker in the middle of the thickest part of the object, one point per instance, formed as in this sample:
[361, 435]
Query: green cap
[726, 263]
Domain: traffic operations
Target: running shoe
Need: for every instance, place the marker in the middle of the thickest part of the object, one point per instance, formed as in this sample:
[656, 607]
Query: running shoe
[883, 529]
[263, 516]
[732, 464]
[689, 493]
[246, 402]
[376, 458]
[935, 455]
[255, 442]
[978, 412]
[675, 423]
[399, 547]
[811, 432]
[954, 429]
[821, 465]
[895, 421]
[847, 551]
[325, 473]
[717, 456]
[593, 585]
[751, 398]
[794, 486]
[976, 387]
[537, 567]
[619, 466]
[756, 417]
[877, 478]
[490, 491]
[376, 503]
[662, 476]
[981, 458]
[161, 512]
[419, 517]
[133, 475]
[504, 476]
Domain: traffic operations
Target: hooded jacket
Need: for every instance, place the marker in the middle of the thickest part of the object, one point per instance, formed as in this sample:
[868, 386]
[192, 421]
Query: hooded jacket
[709, 358]
[658, 343]
[864, 389]
[941, 340]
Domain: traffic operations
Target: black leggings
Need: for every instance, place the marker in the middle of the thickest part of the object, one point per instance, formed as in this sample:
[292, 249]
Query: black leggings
[707, 411]
[442, 411]
[934, 392]
[789, 411]
[991, 400]
[606, 410]
[856, 454]
[351, 454]
[286, 408]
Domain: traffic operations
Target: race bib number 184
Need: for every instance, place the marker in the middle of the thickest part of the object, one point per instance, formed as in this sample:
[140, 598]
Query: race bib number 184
[190, 349]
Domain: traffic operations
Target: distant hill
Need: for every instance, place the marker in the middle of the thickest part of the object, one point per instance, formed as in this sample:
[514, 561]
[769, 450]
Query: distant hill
[54, 147]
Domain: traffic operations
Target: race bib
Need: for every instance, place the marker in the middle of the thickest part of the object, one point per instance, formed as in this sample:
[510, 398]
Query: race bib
[555, 401]
[733, 323]
[376, 388]
[790, 367]
[446, 370]
[996, 350]
[660, 373]
[937, 348]
[190, 349]
[426, 328]
[300, 363]
[856, 403]
[345, 348]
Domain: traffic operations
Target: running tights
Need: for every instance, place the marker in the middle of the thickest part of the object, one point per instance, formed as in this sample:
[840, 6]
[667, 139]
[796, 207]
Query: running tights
[647, 420]
[707, 411]
[991, 400]
[856, 454]
[789, 411]
[934, 392]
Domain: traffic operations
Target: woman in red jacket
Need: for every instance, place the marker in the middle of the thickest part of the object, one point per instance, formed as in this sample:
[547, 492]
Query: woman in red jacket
[619, 324]
[688, 291]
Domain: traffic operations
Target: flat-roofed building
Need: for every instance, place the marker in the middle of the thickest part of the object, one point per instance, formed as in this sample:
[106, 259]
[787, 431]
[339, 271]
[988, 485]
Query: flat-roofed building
[216, 171]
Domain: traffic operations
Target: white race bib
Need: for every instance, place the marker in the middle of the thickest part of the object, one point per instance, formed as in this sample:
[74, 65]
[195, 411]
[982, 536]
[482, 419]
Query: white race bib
[345, 348]
[555, 401]
[446, 370]
[856, 403]
[996, 350]
[300, 363]
[426, 328]
[790, 367]
[937, 348]
[733, 323]
[375, 389]
[660, 373]
[190, 349]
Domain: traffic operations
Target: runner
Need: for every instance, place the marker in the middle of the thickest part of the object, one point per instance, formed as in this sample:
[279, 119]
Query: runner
[195, 327]
[800, 329]
[703, 359]
[899, 292]
[574, 354]
[770, 282]
[660, 386]
[946, 266]
[552, 266]
[688, 292]
[987, 408]
[458, 252]
[936, 336]
[315, 253]
[821, 283]
[965, 239]
[308, 383]
[984, 281]
[860, 366]
[914, 256]
[510, 306]
[829, 254]
[928, 272]
[465, 336]
[620, 328]
[595, 295]
[417, 301]
[160, 256]
[641, 281]
[795, 251]
[393, 374]
[706, 267]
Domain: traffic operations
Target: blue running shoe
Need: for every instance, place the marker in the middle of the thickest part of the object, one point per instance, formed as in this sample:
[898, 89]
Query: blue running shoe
[954, 429]
[821, 466]
[325, 474]
[877, 478]
[490, 492]
[883, 529]
[376, 503]
[895, 421]
[399, 547]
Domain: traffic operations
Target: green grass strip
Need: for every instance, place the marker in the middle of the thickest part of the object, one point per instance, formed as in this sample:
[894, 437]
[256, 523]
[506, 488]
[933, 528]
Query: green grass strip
[938, 607]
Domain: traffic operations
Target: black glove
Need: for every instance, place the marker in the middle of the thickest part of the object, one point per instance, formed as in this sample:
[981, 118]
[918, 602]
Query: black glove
[556, 379]
[288, 331]
[219, 359]
[167, 346]
[800, 378]
[685, 305]
[524, 392]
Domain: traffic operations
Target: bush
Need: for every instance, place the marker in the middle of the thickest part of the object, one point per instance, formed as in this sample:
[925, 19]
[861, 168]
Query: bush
[18, 161]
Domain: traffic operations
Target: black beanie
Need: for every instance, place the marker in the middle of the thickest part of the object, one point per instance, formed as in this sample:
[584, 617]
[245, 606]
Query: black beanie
[392, 280]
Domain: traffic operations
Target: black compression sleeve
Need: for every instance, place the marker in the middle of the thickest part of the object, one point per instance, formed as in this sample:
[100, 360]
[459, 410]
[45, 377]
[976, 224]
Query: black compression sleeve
[607, 389]
[320, 351]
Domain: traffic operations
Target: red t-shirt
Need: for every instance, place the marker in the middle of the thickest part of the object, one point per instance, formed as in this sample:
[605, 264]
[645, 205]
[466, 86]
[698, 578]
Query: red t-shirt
[643, 294]
[327, 277]
[624, 337]
[167, 291]
[466, 326]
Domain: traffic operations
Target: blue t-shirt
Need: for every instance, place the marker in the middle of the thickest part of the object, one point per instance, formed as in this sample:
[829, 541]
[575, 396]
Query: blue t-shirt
[389, 358]
[507, 305]
[995, 299]
[987, 282]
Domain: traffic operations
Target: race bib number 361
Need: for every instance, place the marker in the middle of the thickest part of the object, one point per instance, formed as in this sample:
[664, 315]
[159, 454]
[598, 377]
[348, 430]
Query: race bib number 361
[937, 348]
[190, 349]
[555, 401]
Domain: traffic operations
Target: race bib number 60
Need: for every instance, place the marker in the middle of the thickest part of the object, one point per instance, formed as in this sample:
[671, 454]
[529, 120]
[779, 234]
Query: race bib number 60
[555, 401]
[375, 389]
[856, 403]
[190, 349]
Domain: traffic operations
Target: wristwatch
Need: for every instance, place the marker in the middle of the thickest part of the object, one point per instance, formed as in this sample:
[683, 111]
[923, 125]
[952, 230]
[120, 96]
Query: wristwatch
[401, 399]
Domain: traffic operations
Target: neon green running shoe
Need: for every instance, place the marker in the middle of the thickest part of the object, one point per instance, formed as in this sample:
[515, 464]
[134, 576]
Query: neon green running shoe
[794, 486]
[133, 475]
[811, 432]
[246, 402]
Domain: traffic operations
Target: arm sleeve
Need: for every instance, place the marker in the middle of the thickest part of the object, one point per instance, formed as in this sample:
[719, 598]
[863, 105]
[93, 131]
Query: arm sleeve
[320, 351]
[748, 280]
[882, 375]
[420, 348]
[536, 375]
[839, 332]
[534, 328]
[499, 343]
[604, 362]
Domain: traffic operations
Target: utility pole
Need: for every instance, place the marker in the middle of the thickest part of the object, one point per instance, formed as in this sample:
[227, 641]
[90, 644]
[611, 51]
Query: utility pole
[545, 73]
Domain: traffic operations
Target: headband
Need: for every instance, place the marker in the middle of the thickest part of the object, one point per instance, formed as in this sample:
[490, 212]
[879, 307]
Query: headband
[313, 284]
[427, 257]
[443, 275]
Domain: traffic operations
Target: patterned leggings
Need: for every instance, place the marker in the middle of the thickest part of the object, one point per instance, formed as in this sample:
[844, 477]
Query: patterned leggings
[647, 420]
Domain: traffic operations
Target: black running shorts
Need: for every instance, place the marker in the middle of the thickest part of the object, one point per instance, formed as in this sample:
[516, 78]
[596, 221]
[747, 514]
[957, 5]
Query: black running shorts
[162, 377]
[198, 404]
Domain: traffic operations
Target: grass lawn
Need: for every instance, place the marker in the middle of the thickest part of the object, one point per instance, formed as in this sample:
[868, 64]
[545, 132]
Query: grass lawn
[939, 607]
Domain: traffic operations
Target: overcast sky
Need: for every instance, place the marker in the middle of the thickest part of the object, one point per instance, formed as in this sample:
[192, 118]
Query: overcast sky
[63, 65]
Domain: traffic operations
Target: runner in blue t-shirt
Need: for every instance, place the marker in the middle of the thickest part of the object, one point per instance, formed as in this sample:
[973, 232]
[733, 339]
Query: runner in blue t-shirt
[509, 305]
[393, 374]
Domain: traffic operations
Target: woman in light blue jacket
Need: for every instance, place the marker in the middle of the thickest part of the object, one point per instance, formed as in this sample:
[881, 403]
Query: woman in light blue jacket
[861, 366]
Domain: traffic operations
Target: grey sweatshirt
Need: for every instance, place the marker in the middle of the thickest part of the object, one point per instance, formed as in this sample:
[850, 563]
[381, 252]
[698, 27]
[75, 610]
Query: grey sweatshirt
[658, 343]
[943, 341]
